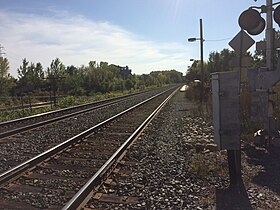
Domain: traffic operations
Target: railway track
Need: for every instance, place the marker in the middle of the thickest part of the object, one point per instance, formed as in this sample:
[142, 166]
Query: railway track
[24, 145]
[66, 174]
[9, 128]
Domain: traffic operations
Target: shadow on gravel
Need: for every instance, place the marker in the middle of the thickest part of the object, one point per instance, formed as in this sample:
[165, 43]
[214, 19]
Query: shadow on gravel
[267, 157]
[233, 198]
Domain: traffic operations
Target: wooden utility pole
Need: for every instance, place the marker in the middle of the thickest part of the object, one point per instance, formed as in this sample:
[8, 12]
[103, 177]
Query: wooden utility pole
[201, 59]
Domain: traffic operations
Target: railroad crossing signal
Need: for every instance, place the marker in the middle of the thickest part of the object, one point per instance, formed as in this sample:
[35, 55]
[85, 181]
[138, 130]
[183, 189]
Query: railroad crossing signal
[251, 20]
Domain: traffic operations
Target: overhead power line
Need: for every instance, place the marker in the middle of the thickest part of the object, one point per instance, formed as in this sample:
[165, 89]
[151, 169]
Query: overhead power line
[216, 40]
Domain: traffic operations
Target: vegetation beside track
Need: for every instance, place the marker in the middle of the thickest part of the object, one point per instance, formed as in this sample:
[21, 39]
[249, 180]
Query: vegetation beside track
[64, 102]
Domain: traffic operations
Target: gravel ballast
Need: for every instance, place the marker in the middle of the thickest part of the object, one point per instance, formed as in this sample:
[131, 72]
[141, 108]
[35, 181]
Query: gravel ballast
[20, 148]
[179, 167]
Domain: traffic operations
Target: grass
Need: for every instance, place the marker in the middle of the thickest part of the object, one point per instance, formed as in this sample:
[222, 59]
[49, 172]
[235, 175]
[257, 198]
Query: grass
[64, 102]
[207, 165]
[204, 109]
[14, 114]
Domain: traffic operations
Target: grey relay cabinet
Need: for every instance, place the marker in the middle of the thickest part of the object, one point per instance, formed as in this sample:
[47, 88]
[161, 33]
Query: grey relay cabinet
[226, 106]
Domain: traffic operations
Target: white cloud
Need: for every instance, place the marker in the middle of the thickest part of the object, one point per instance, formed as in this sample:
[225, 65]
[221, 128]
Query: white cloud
[77, 40]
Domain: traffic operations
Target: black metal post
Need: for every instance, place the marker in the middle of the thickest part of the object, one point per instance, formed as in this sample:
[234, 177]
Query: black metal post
[50, 90]
[54, 90]
[234, 165]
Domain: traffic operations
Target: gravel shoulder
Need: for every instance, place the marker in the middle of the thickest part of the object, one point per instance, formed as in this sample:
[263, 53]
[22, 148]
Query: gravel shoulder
[180, 168]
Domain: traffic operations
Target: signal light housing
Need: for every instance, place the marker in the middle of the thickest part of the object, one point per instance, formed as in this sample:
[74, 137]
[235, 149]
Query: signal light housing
[251, 21]
[258, 29]
[276, 15]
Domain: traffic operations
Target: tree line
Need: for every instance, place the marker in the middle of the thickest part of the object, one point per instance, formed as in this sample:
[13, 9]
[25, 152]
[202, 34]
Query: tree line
[222, 61]
[96, 77]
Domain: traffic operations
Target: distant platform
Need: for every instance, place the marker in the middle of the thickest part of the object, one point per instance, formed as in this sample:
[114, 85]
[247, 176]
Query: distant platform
[184, 88]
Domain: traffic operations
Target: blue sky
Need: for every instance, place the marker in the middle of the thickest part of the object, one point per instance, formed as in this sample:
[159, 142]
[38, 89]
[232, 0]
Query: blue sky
[146, 35]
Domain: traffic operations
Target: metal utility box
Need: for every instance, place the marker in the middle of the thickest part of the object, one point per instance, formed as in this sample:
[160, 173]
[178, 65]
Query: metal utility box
[226, 107]
[262, 78]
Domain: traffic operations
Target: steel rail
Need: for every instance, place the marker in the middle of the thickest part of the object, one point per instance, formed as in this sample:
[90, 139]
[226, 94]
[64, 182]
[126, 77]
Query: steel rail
[5, 123]
[17, 170]
[42, 123]
[45, 122]
[82, 195]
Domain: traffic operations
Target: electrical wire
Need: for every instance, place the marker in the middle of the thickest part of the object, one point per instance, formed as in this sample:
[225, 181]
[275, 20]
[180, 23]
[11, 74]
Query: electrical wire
[217, 40]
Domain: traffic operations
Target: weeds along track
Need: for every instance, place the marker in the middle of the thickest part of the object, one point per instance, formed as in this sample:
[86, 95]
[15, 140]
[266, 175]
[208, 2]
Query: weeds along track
[16, 126]
[67, 172]
[22, 146]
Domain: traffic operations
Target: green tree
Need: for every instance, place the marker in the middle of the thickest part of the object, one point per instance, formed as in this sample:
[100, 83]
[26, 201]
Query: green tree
[24, 81]
[7, 82]
[55, 73]
[4, 67]
[56, 68]
[220, 61]
[30, 77]
[73, 80]
[194, 71]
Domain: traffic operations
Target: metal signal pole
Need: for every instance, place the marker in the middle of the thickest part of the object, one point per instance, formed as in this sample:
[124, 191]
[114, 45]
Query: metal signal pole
[269, 35]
